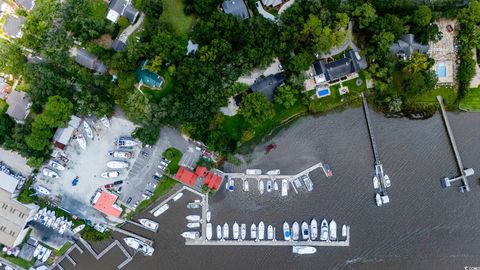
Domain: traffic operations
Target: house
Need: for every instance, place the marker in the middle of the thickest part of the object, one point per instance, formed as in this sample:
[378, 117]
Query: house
[118, 8]
[90, 61]
[406, 45]
[62, 135]
[13, 26]
[235, 8]
[18, 105]
[26, 4]
[200, 177]
[118, 45]
[268, 85]
[148, 78]
[105, 202]
[344, 68]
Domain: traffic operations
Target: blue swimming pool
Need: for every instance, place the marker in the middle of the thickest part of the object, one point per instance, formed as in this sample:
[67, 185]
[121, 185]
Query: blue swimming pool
[441, 70]
[323, 92]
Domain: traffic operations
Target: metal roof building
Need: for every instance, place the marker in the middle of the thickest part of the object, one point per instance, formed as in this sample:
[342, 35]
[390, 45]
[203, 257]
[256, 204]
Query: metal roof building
[18, 105]
[13, 26]
[235, 8]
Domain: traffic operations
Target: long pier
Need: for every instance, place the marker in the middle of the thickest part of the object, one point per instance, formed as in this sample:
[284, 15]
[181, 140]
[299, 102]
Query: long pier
[120, 230]
[277, 176]
[370, 129]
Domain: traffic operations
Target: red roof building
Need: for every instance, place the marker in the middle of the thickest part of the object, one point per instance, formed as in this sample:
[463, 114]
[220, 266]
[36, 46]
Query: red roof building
[105, 202]
[212, 180]
[189, 177]
[186, 176]
[200, 171]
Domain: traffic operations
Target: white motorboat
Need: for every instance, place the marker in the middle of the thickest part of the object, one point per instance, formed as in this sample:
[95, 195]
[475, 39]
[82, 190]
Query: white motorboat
[193, 205]
[245, 186]
[231, 184]
[78, 229]
[324, 230]
[226, 230]
[42, 190]
[387, 181]
[56, 223]
[81, 141]
[42, 252]
[56, 165]
[63, 228]
[307, 182]
[47, 255]
[219, 232]
[344, 230]
[121, 154]
[191, 235]
[161, 210]
[269, 186]
[313, 229]
[105, 121]
[303, 250]
[261, 187]
[209, 231]
[305, 231]
[275, 185]
[149, 223]
[177, 197]
[270, 232]
[50, 173]
[192, 225]
[273, 172]
[286, 231]
[236, 230]
[295, 231]
[193, 218]
[117, 164]
[139, 245]
[261, 230]
[243, 231]
[209, 215]
[110, 174]
[88, 129]
[253, 231]
[284, 187]
[333, 230]
[378, 199]
[376, 183]
[125, 142]
[37, 251]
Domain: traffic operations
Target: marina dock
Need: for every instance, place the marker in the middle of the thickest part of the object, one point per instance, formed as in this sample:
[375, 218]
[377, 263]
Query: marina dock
[274, 177]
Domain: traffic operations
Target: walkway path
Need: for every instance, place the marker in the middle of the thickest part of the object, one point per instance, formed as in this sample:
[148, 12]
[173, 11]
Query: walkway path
[123, 37]
[345, 44]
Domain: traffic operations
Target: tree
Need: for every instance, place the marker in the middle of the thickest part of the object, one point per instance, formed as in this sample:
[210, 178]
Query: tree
[422, 16]
[6, 127]
[148, 134]
[152, 8]
[12, 59]
[383, 40]
[56, 113]
[97, 104]
[256, 109]
[418, 62]
[286, 96]
[366, 15]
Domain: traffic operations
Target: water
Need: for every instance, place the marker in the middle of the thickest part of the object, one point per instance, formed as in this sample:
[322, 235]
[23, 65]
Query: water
[424, 226]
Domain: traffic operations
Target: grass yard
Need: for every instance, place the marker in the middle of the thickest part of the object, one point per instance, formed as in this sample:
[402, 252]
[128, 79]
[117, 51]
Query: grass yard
[174, 155]
[449, 97]
[19, 261]
[174, 15]
[471, 103]
[98, 9]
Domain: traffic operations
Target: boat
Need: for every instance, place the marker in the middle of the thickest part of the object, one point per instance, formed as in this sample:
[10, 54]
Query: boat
[120, 154]
[376, 183]
[105, 121]
[110, 174]
[56, 224]
[193, 218]
[313, 229]
[177, 197]
[378, 199]
[324, 230]
[149, 223]
[56, 165]
[236, 230]
[37, 251]
[192, 225]
[209, 216]
[191, 235]
[333, 230]
[78, 229]
[305, 231]
[344, 230]
[219, 232]
[387, 181]
[243, 231]
[193, 205]
[275, 185]
[270, 232]
[273, 172]
[225, 231]
[307, 182]
[328, 171]
[261, 230]
[253, 231]
[42, 252]
[303, 250]
[245, 185]
[284, 187]
[117, 164]
[88, 129]
[231, 184]
[286, 231]
[125, 142]
[260, 186]
[81, 141]
[139, 245]
[50, 173]
[47, 255]
[295, 231]
[209, 231]
[160, 210]
[42, 190]
[297, 182]
[269, 186]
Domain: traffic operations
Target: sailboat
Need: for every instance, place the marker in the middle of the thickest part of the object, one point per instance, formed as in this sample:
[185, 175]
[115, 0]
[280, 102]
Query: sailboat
[245, 185]
[295, 231]
[261, 230]
[243, 231]
[81, 141]
[236, 230]
[333, 230]
[313, 229]
[88, 129]
[253, 231]
[225, 231]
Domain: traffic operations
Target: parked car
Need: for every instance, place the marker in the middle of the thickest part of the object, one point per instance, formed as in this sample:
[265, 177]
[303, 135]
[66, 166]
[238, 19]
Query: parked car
[116, 183]
[119, 190]
[129, 200]
[449, 28]
[163, 163]
[166, 160]
[161, 167]
[155, 177]
[145, 154]
[108, 186]
[136, 204]
[152, 185]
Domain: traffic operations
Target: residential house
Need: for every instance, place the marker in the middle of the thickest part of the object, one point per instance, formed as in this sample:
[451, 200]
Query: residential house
[119, 8]
[18, 105]
[406, 45]
[235, 8]
[26, 4]
[62, 135]
[339, 70]
[13, 26]
[268, 85]
[90, 61]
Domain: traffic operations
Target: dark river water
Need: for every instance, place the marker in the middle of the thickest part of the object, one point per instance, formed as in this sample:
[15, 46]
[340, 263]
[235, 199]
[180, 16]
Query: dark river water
[424, 226]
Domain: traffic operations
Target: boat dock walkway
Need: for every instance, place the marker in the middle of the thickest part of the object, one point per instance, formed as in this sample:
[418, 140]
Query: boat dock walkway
[140, 225]
[120, 230]
[370, 129]
[166, 200]
[274, 177]
[462, 176]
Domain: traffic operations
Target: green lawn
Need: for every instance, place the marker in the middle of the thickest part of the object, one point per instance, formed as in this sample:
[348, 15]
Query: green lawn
[63, 249]
[174, 155]
[18, 261]
[174, 15]
[471, 102]
[449, 97]
[3, 106]
[164, 186]
[167, 88]
[98, 9]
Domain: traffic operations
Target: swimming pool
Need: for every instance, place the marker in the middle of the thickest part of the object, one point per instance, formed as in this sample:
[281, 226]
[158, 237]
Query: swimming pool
[441, 70]
[323, 92]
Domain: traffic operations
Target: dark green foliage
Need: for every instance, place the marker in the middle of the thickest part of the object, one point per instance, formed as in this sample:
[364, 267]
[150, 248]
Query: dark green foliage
[6, 127]
[148, 134]
[12, 59]
[26, 195]
[286, 96]
[90, 234]
[256, 109]
[151, 8]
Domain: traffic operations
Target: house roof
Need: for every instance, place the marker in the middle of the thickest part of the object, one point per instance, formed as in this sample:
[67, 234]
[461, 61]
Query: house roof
[18, 105]
[62, 135]
[200, 171]
[118, 45]
[235, 8]
[8, 182]
[105, 203]
[268, 85]
[186, 176]
[124, 8]
[406, 45]
[89, 61]
[340, 68]
[13, 26]
[212, 180]
[26, 4]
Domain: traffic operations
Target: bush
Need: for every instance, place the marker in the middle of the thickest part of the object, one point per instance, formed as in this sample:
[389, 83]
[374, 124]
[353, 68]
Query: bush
[123, 22]
[26, 195]
[90, 234]
[148, 134]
